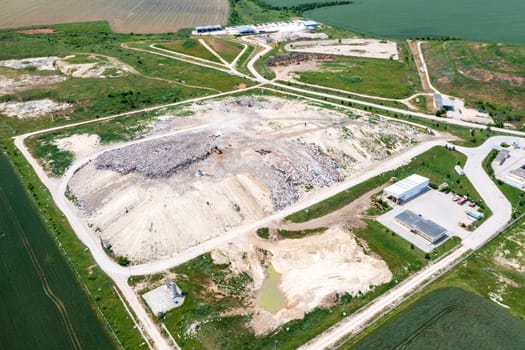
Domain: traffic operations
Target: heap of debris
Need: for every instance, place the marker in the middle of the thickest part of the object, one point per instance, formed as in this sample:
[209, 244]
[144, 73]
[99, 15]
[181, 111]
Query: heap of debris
[285, 178]
[159, 158]
[285, 60]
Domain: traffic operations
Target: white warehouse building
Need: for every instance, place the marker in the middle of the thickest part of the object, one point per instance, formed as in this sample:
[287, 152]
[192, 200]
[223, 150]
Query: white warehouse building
[407, 188]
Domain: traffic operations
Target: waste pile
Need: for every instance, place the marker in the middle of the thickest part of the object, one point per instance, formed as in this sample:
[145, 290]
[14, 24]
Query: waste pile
[159, 158]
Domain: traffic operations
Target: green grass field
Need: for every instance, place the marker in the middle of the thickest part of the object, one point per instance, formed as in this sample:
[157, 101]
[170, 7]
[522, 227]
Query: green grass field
[489, 76]
[437, 164]
[227, 49]
[448, 318]
[376, 77]
[43, 305]
[190, 46]
[486, 21]
[161, 80]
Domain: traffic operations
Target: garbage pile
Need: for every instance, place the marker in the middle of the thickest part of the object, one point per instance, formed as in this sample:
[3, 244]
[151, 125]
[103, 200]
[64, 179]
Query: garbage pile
[159, 158]
[287, 177]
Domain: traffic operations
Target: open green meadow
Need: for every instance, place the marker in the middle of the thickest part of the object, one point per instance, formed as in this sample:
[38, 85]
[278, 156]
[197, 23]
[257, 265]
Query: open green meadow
[43, 305]
[371, 76]
[189, 46]
[448, 318]
[489, 76]
[482, 20]
[158, 80]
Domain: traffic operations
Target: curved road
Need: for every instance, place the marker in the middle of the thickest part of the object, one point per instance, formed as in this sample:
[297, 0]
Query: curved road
[493, 198]
[501, 209]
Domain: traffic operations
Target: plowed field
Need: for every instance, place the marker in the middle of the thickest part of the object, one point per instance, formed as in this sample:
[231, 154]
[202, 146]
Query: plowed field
[136, 16]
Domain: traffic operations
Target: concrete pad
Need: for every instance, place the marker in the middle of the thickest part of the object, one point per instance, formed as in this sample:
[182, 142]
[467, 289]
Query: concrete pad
[160, 300]
[435, 206]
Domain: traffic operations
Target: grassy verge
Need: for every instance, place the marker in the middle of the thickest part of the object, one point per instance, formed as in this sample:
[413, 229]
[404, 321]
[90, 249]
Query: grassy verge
[96, 284]
[437, 164]
[300, 233]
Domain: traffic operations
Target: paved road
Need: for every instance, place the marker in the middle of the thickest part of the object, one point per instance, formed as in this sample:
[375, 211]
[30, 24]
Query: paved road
[493, 198]
[120, 274]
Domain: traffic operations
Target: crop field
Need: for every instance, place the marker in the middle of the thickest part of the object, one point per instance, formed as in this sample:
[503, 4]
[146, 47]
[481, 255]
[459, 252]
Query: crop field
[485, 21]
[490, 76]
[449, 318]
[134, 79]
[134, 16]
[43, 305]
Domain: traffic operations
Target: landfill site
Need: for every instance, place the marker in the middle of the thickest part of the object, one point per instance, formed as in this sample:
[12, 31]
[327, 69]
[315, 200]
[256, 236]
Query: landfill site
[225, 163]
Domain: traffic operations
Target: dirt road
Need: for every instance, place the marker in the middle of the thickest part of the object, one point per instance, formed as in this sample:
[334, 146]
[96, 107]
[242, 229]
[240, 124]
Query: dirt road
[119, 274]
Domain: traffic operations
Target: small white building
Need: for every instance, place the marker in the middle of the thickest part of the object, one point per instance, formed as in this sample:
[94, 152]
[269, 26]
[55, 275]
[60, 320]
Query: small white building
[407, 188]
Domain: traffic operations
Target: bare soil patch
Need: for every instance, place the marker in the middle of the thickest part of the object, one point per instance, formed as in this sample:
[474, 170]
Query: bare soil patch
[24, 82]
[312, 269]
[32, 109]
[357, 47]
[46, 30]
[97, 66]
[248, 158]
[39, 63]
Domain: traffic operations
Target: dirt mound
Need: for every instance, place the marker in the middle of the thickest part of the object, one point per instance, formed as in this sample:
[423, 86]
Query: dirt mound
[27, 82]
[40, 63]
[157, 197]
[159, 158]
[312, 270]
[32, 109]
[285, 60]
[93, 66]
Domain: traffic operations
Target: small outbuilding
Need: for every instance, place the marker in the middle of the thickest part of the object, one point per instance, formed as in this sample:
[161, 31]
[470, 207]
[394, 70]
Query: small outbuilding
[245, 30]
[407, 188]
[501, 157]
[208, 29]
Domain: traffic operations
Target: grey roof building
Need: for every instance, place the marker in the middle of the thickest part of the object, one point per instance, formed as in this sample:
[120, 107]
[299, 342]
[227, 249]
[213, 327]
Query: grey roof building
[427, 229]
